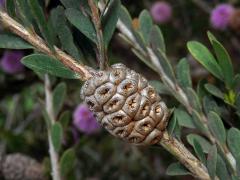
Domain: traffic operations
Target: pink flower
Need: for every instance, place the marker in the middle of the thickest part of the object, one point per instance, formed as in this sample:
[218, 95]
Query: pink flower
[220, 16]
[161, 12]
[84, 121]
[2, 3]
[10, 62]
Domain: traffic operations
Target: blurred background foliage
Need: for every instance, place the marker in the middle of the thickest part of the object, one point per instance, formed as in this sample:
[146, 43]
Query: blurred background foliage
[99, 155]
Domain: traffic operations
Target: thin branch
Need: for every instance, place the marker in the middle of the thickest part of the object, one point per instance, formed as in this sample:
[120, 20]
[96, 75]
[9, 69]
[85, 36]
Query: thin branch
[100, 41]
[177, 149]
[49, 107]
[41, 46]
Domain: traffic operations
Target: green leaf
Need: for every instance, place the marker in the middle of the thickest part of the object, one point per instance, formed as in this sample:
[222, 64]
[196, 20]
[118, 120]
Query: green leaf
[10, 6]
[64, 118]
[166, 65]
[224, 60]
[125, 17]
[10, 41]
[183, 118]
[183, 73]
[56, 135]
[46, 117]
[59, 95]
[24, 13]
[199, 151]
[145, 23]
[109, 20]
[216, 126]
[39, 16]
[214, 91]
[63, 32]
[45, 64]
[67, 161]
[194, 100]
[233, 140]
[71, 3]
[196, 117]
[176, 169]
[156, 39]
[212, 161]
[172, 124]
[159, 87]
[82, 23]
[203, 56]
[221, 169]
[201, 140]
[210, 105]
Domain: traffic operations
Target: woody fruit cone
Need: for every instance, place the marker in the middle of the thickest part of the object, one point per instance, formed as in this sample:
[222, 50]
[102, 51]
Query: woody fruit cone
[126, 105]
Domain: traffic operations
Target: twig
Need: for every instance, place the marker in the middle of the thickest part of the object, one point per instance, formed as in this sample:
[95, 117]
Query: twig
[40, 45]
[49, 107]
[184, 156]
[100, 41]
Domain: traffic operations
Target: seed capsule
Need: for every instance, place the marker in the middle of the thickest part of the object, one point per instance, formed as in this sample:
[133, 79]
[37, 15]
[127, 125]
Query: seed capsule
[126, 105]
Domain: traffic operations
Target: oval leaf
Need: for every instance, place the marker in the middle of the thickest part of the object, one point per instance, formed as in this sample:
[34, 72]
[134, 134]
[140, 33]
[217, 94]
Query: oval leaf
[10, 41]
[216, 126]
[59, 94]
[212, 162]
[67, 161]
[82, 23]
[176, 169]
[203, 56]
[45, 64]
[56, 135]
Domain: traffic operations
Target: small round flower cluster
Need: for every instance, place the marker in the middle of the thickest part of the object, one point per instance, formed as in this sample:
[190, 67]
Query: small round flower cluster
[221, 16]
[10, 62]
[161, 12]
[84, 121]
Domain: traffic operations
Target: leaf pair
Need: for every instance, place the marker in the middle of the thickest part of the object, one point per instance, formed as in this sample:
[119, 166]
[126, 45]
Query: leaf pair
[83, 22]
[222, 67]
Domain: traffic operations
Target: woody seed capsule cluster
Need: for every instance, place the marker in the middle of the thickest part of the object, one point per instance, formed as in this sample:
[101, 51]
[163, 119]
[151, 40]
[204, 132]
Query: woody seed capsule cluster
[21, 167]
[126, 105]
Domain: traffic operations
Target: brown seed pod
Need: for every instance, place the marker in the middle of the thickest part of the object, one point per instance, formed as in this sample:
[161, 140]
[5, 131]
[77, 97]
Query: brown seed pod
[126, 105]
[18, 167]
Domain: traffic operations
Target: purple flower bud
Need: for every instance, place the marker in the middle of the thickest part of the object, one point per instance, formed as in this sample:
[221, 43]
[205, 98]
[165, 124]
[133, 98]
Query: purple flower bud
[161, 12]
[221, 15]
[10, 62]
[2, 3]
[84, 120]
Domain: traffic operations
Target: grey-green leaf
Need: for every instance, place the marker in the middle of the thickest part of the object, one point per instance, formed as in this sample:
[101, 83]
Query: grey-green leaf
[214, 91]
[67, 161]
[216, 126]
[176, 169]
[199, 151]
[221, 169]
[64, 118]
[63, 32]
[203, 56]
[172, 124]
[109, 20]
[44, 27]
[159, 87]
[212, 161]
[59, 94]
[10, 41]
[156, 39]
[201, 140]
[82, 23]
[224, 60]
[183, 118]
[45, 64]
[233, 140]
[183, 73]
[145, 23]
[56, 135]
